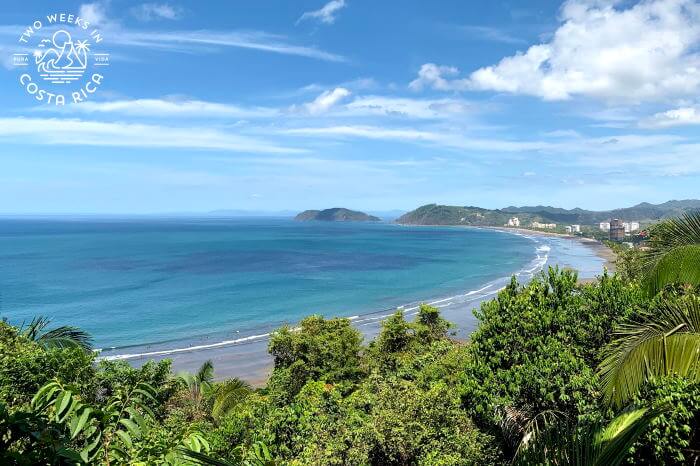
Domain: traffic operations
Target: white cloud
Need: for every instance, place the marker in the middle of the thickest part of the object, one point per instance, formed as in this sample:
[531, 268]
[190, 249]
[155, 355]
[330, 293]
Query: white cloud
[326, 14]
[154, 11]
[95, 13]
[75, 132]
[172, 108]
[437, 77]
[201, 41]
[676, 117]
[187, 40]
[490, 34]
[323, 102]
[330, 101]
[446, 139]
[647, 52]
[407, 108]
[585, 151]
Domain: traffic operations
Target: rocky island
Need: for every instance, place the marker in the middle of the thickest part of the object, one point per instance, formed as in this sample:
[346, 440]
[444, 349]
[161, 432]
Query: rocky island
[336, 214]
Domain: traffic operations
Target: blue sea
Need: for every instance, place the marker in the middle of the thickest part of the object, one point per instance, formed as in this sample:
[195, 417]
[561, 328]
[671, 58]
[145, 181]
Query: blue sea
[145, 283]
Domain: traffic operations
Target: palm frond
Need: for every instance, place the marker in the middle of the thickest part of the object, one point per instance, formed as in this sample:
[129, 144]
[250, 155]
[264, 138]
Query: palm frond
[205, 374]
[672, 255]
[597, 445]
[34, 328]
[680, 265]
[611, 443]
[663, 342]
[227, 395]
[65, 336]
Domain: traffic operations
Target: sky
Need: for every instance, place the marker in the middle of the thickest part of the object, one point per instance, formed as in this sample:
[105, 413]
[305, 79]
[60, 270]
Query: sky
[288, 105]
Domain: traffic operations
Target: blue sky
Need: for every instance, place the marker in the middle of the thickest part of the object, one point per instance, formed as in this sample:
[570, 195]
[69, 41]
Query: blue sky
[273, 105]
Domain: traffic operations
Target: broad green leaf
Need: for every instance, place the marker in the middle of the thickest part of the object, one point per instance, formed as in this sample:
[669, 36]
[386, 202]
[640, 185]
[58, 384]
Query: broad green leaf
[131, 427]
[125, 437]
[81, 421]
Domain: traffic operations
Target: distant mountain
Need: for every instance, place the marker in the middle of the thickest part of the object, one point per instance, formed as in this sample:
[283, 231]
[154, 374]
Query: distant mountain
[433, 214]
[337, 214]
[388, 215]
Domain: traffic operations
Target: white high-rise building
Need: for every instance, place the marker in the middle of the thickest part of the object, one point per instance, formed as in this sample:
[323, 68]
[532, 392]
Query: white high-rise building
[576, 228]
[568, 229]
[630, 226]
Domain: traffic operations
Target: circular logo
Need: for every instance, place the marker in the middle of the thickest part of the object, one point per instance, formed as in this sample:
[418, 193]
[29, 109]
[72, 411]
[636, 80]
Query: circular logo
[61, 59]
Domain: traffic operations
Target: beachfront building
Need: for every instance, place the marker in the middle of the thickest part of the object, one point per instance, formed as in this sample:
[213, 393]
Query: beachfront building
[567, 229]
[544, 226]
[617, 230]
[513, 222]
[605, 226]
[576, 228]
[630, 226]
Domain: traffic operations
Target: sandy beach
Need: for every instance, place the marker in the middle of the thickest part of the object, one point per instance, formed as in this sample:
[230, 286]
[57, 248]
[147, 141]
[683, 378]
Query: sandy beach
[250, 361]
[599, 248]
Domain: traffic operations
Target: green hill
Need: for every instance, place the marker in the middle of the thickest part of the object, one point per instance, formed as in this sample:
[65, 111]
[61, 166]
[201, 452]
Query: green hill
[336, 214]
[433, 214]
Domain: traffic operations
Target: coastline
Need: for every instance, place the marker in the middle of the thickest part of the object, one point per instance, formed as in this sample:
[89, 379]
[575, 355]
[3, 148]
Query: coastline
[247, 358]
[599, 248]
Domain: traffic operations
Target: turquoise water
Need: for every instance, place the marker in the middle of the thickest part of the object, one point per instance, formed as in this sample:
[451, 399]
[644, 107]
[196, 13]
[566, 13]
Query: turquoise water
[139, 282]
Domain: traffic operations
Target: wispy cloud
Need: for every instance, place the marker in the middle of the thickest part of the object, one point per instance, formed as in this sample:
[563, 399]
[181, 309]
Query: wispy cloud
[333, 102]
[453, 140]
[75, 132]
[324, 102]
[202, 41]
[486, 33]
[170, 107]
[95, 13]
[187, 40]
[326, 14]
[154, 11]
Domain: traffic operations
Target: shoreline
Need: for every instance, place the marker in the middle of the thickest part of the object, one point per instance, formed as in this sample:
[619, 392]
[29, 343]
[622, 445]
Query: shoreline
[599, 248]
[249, 359]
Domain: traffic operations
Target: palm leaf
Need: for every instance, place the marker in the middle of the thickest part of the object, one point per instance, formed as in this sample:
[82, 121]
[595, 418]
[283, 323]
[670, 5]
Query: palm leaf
[597, 445]
[227, 395]
[66, 337]
[665, 342]
[205, 374]
[673, 255]
[61, 337]
[680, 265]
[611, 444]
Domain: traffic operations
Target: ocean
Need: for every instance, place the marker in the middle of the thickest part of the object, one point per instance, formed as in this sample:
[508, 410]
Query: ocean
[159, 286]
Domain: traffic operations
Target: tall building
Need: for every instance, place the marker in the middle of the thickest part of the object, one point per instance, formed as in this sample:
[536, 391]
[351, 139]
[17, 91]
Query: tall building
[605, 226]
[576, 228]
[617, 230]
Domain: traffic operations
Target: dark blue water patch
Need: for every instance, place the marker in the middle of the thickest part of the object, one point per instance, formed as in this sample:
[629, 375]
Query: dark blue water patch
[116, 264]
[287, 262]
